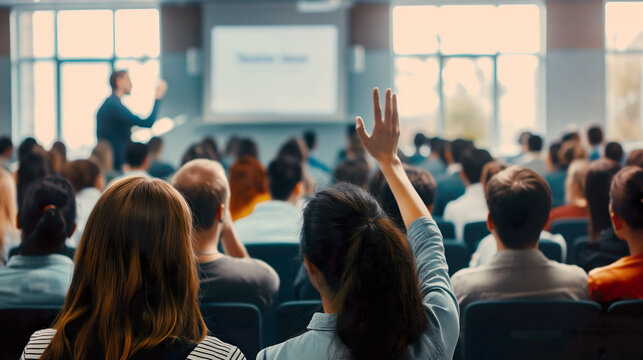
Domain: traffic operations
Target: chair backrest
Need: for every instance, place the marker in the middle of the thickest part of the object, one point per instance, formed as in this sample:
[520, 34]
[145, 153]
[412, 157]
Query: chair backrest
[285, 259]
[446, 228]
[235, 323]
[17, 325]
[580, 244]
[551, 249]
[531, 329]
[625, 337]
[570, 229]
[457, 255]
[474, 232]
[293, 317]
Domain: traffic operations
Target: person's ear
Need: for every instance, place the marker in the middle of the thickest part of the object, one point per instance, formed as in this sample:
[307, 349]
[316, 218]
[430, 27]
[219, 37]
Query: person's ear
[617, 221]
[490, 225]
[313, 273]
[73, 229]
[221, 213]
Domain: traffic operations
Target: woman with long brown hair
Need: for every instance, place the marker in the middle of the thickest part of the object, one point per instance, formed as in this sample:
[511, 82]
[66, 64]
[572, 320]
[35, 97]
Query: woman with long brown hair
[133, 294]
[248, 186]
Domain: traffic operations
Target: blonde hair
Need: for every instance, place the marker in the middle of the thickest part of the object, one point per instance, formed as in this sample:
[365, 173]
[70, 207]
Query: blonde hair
[8, 205]
[576, 174]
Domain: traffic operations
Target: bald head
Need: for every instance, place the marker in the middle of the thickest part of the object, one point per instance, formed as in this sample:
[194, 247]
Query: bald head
[205, 187]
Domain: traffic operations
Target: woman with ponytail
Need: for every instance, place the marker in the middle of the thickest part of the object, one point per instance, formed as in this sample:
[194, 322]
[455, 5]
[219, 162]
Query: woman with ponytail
[385, 296]
[39, 275]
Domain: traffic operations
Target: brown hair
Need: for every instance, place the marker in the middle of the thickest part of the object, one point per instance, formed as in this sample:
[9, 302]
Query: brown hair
[626, 194]
[103, 154]
[597, 187]
[82, 174]
[569, 151]
[8, 205]
[135, 281]
[248, 179]
[489, 170]
[635, 158]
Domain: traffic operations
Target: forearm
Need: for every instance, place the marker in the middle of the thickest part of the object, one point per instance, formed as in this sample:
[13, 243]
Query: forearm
[231, 244]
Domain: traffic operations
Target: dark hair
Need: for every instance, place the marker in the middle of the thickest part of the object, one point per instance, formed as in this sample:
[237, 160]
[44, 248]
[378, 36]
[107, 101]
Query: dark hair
[291, 149]
[595, 135]
[368, 267]
[81, 174]
[26, 147]
[247, 147]
[422, 181]
[135, 154]
[195, 151]
[310, 137]
[232, 146]
[47, 215]
[445, 145]
[353, 171]
[351, 131]
[614, 151]
[33, 167]
[5, 144]
[419, 140]
[211, 148]
[154, 145]
[459, 147]
[472, 163]
[635, 158]
[115, 76]
[626, 194]
[535, 143]
[571, 136]
[61, 149]
[519, 202]
[597, 190]
[554, 149]
[283, 176]
[524, 137]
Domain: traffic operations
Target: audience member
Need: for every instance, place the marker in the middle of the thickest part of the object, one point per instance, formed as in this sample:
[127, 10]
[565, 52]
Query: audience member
[356, 172]
[523, 142]
[134, 290]
[623, 279]
[28, 146]
[595, 140]
[88, 182]
[247, 147]
[553, 162]
[310, 137]
[39, 275]
[605, 247]
[471, 206]
[450, 185]
[158, 168]
[296, 150]
[137, 162]
[57, 157]
[32, 167]
[230, 152]
[6, 152]
[614, 151]
[195, 151]
[419, 141]
[8, 215]
[575, 201]
[533, 159]
[569, 151]
[353, 149]
[211, 148]
[286, 189]
[359, 261]
[232, 276]
[103, 155]
[248, 186]
[519, 202]
[436, 162]
[635, 158]
[572, 135]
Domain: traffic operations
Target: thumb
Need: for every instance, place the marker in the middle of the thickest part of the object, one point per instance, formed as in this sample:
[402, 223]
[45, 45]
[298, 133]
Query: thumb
[361, 129]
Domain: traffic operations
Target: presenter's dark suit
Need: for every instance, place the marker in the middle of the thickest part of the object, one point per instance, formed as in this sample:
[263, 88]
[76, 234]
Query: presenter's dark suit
[114, 124]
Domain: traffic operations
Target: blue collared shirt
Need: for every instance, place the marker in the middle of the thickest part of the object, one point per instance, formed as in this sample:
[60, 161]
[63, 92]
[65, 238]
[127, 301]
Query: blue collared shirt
[29, 281]
[440, 338]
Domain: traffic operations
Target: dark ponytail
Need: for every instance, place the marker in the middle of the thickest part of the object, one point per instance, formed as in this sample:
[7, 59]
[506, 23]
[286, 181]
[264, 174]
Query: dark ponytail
[369, 269]
[47, 215]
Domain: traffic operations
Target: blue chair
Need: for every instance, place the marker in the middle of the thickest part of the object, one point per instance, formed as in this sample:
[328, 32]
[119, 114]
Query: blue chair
[293, 317]
[580, 244]
[284, 258]
[457, 255]
[570, 229]
[625, 334]
[532, 329]
[551, 249]
[446, 228]
[18, 324]
[474, 232]
[235, 323]
[448, 188]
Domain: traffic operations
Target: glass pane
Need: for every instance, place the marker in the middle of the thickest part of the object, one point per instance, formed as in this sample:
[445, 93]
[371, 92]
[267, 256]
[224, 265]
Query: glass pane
[624, 95]
[518, 98]
[38, 103]
[144, 76]
[137, 33]
[468, 29]
[519, 28]
[468, 96]
[84, 88]
[414, 29]
[36, 33]
[85, 34]
[417, 83]
[623, 26]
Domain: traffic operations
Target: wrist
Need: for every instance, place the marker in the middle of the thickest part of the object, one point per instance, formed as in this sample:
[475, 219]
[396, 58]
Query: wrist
[389, 162]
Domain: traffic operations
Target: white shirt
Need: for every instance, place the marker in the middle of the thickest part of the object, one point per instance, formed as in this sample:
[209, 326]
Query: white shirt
[270, 221]
[85, 201]
[533, 161]
[488, 247]
[454, 168]
[470, 207]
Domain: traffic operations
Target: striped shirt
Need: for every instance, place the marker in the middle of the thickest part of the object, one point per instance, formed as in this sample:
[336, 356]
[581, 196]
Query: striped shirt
[210, 348]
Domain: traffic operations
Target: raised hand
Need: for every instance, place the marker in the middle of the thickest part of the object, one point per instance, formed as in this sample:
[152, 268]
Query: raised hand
[382, 143]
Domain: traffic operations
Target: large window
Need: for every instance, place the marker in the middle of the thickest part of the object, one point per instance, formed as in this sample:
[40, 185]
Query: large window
[624, 69]
[62, 61]
[471, 71]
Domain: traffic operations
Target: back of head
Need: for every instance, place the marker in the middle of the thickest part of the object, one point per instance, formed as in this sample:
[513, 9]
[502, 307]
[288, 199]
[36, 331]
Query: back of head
[595, 135]
[291, 149]
[554, 150]
[211, 148]
[204, 185]
[26, 147]
[82, 174]
[33, 167]
[104, 155]
[519, 202]
[459, 147]
[569, 151]
[597, 188]
[283, 176]
[135, 281]
[614, 151]
[5, 144]
[136, 154]
[576, 176]
[571, 136]
[353, 171]
[473, 161]
[155, 145]
[419, 140]
[490, 170]
[247, 180]
[535, 143]
[195, 151]
[635, 158]
[523, 138]
[422, 181]
[247, 147]
[310, 137]
[47, 215]
[60, 148]
[626, 194]
[232, 146]
[362, 257]
[8, 205]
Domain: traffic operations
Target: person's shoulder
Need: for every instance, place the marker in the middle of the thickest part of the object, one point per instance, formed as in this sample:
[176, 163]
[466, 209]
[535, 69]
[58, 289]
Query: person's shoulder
[211, 348]
[37, 344]
[573, 272]
[313, 343]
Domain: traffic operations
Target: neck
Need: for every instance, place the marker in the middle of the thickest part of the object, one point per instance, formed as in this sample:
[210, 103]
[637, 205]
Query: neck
[118, 93]
[208, 245]
[635, 244]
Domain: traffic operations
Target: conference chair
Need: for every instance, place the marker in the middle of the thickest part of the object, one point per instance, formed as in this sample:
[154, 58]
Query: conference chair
[570, 229]
[552, 250]
[532, 329]
[18, 324]
[284, 258]
[474, 232]
[457, 255]
[580, 244]
[238, 324]
[625, 336]
[293, 317]
[446, 228]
